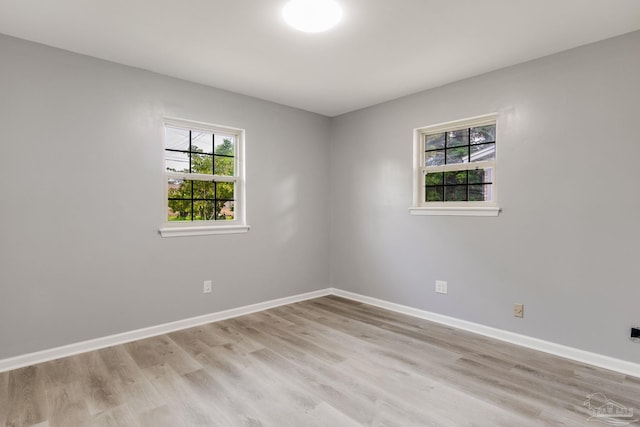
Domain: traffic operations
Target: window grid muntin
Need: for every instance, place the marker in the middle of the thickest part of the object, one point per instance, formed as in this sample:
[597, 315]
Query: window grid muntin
[447, 147]
[444, 185]
[185, 176]
[213, 155]
[215, 199]
[468, 165]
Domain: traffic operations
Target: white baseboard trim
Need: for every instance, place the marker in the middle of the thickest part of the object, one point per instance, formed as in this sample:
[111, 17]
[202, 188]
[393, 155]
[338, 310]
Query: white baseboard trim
[606, 362]
[111, 340]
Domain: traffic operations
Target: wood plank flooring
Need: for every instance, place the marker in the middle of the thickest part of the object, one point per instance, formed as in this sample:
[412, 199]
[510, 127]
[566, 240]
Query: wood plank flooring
[323, 362]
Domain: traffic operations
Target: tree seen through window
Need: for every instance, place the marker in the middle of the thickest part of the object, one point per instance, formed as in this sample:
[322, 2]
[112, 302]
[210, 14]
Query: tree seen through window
[198, 190]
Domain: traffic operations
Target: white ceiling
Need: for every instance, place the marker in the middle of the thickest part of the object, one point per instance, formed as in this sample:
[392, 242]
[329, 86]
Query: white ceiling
[381, 50]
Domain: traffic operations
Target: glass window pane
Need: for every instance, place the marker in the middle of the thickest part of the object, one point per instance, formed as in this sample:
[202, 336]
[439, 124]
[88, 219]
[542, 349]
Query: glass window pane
[225, 210]
[179, 188]
[225, 144]
[433, 142]
[204, 190]
[224, 190]
[476, 176]
[176, 161]
[201, 142]
[480, 193]
[179, 210]
[201, 163]
[457, 138]
[482, 134]
[479, 176]
[434, 194]
[223, 165]
[203, 210]
[458, 155]
[433, 178]
[434, 158]
[177, 139]
[455, 193]
[483, 152]
[457, 177]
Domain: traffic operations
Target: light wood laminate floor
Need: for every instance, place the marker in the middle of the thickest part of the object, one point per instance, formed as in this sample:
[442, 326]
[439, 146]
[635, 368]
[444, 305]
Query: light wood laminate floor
[323, 362]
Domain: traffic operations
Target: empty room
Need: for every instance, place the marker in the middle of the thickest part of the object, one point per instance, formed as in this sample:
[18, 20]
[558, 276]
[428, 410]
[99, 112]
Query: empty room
[319, 213]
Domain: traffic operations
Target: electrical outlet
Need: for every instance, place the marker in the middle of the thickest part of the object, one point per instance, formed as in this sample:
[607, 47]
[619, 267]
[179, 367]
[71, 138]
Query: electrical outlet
[441, 286]
[207, 287]
[518, 310]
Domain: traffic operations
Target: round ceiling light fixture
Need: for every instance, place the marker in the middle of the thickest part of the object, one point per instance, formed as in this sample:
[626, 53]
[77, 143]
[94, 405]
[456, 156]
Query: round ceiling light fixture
[312, 16]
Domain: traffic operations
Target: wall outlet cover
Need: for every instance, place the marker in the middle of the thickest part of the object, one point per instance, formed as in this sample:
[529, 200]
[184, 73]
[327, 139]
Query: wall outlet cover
[518, 310]
[441, 287]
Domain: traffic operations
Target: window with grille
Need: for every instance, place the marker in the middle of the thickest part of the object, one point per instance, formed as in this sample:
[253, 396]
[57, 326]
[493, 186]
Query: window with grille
[455, 168]
[204, 180]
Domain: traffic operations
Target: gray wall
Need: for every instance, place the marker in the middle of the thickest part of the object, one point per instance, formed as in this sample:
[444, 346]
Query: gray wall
[566, 243]
[82, 197]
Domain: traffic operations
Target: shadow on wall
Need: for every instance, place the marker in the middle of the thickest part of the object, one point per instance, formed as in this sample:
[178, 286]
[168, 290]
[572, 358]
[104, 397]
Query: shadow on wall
[286, 201]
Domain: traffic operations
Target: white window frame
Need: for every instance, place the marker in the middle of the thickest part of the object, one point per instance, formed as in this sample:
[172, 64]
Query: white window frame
[199, 228]
[420, 206]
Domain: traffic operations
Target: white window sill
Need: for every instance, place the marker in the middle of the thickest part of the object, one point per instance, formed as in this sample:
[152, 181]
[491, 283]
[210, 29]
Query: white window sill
[456, 210]
[202, 230]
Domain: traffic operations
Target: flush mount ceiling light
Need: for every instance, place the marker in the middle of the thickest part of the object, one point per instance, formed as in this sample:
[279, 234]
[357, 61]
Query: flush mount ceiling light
[312, 16]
